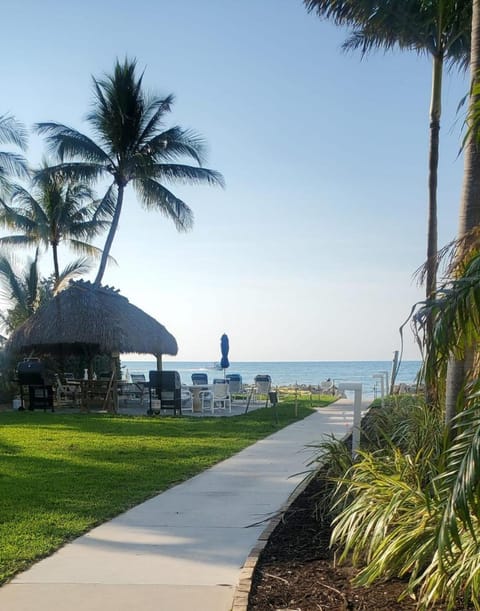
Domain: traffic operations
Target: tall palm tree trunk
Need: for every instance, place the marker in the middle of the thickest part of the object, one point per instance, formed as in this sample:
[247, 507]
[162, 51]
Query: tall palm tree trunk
[56, 268]
[432, 231]
[111, 234]
[469, 211]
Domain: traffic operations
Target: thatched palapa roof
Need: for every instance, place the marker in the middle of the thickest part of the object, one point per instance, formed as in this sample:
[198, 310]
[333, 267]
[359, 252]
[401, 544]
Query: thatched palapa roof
[86, 317]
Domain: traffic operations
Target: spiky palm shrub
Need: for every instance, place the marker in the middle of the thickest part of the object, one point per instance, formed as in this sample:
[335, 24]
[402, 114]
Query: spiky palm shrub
[333, 458]
[390, 520]
[389, 503]
[455, 568]
[411, 508]
[403, 424]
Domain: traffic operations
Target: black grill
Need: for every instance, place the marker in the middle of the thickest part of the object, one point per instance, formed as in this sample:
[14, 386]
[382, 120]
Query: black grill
[31, 373]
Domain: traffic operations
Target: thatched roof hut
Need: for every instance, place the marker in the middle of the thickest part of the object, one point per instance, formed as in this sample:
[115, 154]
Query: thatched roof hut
[86, 318]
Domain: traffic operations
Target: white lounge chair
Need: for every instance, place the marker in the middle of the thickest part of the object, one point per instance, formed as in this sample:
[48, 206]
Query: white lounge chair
[262, 386]
[187, 399]
[140, 384]
[216, 398]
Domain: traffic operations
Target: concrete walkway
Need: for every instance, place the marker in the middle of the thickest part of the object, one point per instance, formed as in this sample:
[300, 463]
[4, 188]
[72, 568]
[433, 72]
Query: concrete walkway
[183, 549]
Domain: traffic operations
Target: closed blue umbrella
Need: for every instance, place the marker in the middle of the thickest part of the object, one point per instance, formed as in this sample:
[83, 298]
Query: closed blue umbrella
[224, 347]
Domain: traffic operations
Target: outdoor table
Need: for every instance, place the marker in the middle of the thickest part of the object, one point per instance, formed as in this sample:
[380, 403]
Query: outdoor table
[95, 390]
[196, 389]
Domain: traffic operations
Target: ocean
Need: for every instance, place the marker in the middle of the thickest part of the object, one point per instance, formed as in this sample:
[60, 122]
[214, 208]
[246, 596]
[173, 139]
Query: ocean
[285, 373]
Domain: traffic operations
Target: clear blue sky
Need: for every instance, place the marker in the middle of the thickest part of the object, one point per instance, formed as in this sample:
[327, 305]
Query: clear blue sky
[308, 253]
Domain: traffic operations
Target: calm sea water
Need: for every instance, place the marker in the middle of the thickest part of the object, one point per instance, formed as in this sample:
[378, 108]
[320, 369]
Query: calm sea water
[289, 373]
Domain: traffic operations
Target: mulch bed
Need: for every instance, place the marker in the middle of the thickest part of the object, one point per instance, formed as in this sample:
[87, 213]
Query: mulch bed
[297, 572]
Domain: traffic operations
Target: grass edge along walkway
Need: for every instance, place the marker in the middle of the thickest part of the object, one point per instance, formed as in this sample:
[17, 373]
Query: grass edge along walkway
[61, 475]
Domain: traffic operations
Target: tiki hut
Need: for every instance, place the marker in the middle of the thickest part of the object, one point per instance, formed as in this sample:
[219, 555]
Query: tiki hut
[93, 319]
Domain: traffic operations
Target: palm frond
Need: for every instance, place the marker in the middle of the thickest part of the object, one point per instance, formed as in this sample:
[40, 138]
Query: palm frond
[18, 240]
[154, 111]
[11, 288]
[66, 142]
[439, 28]
[185, 174]
[461, 480]
[75, 269]
[16, 218]
[175, 143]
[13, 132]
[13, 164]
[156, 197]
[83, 171]
[340, 12]
[106, 206]
[118, 109]
[88, 249]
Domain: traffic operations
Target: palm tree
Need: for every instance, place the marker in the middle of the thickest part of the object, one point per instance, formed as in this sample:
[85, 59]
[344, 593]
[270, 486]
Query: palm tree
[12, 164]
[469, 219]
[132, 146]
[440, 28]
[59, 209]
[25, 290]
[22, 291]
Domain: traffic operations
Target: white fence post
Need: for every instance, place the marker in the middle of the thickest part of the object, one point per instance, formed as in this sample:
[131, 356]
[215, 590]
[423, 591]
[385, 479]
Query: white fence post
[381, 377]
[357, 412]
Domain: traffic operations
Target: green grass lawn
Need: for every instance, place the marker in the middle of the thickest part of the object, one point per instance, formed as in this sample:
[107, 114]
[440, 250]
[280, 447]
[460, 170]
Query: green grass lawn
[60, 475]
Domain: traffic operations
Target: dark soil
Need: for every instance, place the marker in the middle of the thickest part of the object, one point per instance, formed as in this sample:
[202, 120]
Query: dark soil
[297, 572]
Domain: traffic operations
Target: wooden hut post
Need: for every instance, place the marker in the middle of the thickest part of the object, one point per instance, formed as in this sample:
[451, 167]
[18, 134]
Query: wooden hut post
[114, 366]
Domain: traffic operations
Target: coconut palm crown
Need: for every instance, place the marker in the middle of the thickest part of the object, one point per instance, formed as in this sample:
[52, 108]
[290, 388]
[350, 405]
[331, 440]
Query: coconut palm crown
[435, 27]
[58, 209]
[132, 145]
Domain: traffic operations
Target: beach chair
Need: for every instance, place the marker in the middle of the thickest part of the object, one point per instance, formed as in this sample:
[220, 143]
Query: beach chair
[66, 393]
[165, 387]
[235, 386]
[216, 398]
[327, 387]
[186, 399]
[262, 386]
[199, 378]
[140, 385]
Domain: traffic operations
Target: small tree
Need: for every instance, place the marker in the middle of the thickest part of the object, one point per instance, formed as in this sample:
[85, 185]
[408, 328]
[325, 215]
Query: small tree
[132, 146]
[58, 209]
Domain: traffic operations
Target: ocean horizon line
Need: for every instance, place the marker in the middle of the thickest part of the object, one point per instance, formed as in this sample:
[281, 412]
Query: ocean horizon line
[285, 373]
[173, 360]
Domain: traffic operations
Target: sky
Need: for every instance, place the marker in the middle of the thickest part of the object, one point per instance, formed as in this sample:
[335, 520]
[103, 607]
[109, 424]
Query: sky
[310, 250]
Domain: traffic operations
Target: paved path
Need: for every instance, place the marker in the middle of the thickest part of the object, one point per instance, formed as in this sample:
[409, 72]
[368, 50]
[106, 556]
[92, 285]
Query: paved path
[184, 548]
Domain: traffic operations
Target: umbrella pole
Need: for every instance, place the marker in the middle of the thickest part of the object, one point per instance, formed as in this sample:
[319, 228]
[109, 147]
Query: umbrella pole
[159, 362]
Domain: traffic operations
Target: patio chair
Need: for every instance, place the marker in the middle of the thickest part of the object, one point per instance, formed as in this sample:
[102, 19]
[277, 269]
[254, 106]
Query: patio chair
[327, 387]
[186, 399]
[218, 397]
[141, 385]
[235, 386]
[199, 378]
[66, 393]
[262, 386]
[166, 387]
